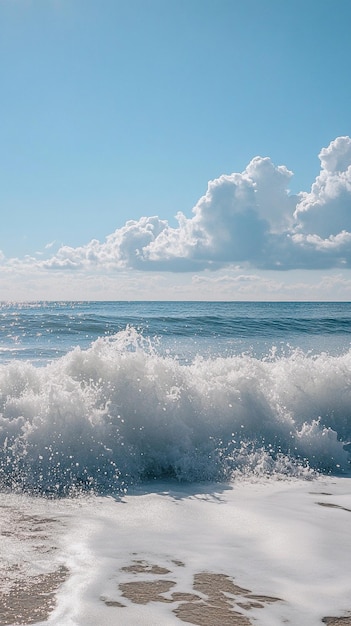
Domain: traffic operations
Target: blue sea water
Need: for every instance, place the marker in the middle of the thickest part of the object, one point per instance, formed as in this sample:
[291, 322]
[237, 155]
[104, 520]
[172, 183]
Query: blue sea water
[101, 395]
[42, 331]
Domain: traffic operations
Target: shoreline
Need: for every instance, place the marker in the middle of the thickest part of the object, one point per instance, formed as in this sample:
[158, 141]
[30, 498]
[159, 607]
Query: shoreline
[216, 599]
[233, 555]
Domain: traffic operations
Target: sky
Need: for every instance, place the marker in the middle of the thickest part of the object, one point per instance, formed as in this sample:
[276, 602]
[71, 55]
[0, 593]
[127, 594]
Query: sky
[175, 149]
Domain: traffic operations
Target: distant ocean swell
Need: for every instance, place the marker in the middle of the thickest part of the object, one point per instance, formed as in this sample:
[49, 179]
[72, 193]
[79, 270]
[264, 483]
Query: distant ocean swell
[118, 413]
[32, 324]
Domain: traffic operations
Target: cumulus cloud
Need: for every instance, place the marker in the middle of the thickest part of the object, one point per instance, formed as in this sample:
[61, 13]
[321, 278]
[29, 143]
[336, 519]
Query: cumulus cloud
[326, 210]
[248, 218]
[122, 249]
[233, 221]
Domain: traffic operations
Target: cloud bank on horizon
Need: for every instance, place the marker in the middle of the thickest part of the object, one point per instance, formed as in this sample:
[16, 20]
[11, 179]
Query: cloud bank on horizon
[246, 218]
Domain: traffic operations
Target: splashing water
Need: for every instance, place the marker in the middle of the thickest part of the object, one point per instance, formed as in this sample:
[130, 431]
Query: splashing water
[116, 413]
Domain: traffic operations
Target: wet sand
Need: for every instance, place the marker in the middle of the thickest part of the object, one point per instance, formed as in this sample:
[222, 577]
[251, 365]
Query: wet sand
[150, 583]
[215, 599]
[30, 600]
[25, 598]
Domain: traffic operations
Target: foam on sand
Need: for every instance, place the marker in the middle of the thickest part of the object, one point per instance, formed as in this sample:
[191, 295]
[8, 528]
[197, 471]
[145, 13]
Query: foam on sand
[263, 553]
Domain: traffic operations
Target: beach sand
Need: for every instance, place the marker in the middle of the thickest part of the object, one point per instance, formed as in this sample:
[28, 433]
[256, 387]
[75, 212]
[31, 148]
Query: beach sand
[253, 555]
[30, 600]
[216, 599]
[25, 541]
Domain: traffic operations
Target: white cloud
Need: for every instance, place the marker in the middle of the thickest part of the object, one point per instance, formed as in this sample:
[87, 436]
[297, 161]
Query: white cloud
[249, 218]
[50, 245]
[232, 221]
[339, 242]
[337, 156]
[122, 249]
[326, 210]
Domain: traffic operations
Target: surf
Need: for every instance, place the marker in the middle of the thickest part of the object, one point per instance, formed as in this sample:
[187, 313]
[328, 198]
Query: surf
[118, 413]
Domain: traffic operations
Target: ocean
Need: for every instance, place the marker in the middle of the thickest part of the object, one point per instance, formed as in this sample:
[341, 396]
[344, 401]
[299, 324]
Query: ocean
[169, 462]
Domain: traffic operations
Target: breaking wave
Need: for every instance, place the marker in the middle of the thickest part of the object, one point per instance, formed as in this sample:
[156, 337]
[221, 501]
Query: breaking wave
[117, 413]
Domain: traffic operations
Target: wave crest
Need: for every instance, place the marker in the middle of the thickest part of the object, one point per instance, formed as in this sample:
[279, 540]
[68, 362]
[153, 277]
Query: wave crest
[117, 413]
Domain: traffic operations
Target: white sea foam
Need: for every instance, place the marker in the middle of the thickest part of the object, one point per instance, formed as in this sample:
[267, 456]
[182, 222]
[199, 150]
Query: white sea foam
[118, 412]
[286, 540]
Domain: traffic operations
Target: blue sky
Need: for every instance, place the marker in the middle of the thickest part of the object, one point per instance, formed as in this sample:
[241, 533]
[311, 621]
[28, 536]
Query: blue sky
[117, 111]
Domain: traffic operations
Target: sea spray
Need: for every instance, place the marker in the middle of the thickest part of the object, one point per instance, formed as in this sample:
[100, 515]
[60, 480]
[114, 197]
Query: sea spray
[118, 412]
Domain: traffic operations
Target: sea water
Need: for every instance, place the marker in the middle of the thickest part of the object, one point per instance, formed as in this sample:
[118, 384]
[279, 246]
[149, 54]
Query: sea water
[105, 395]
[129, 424]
